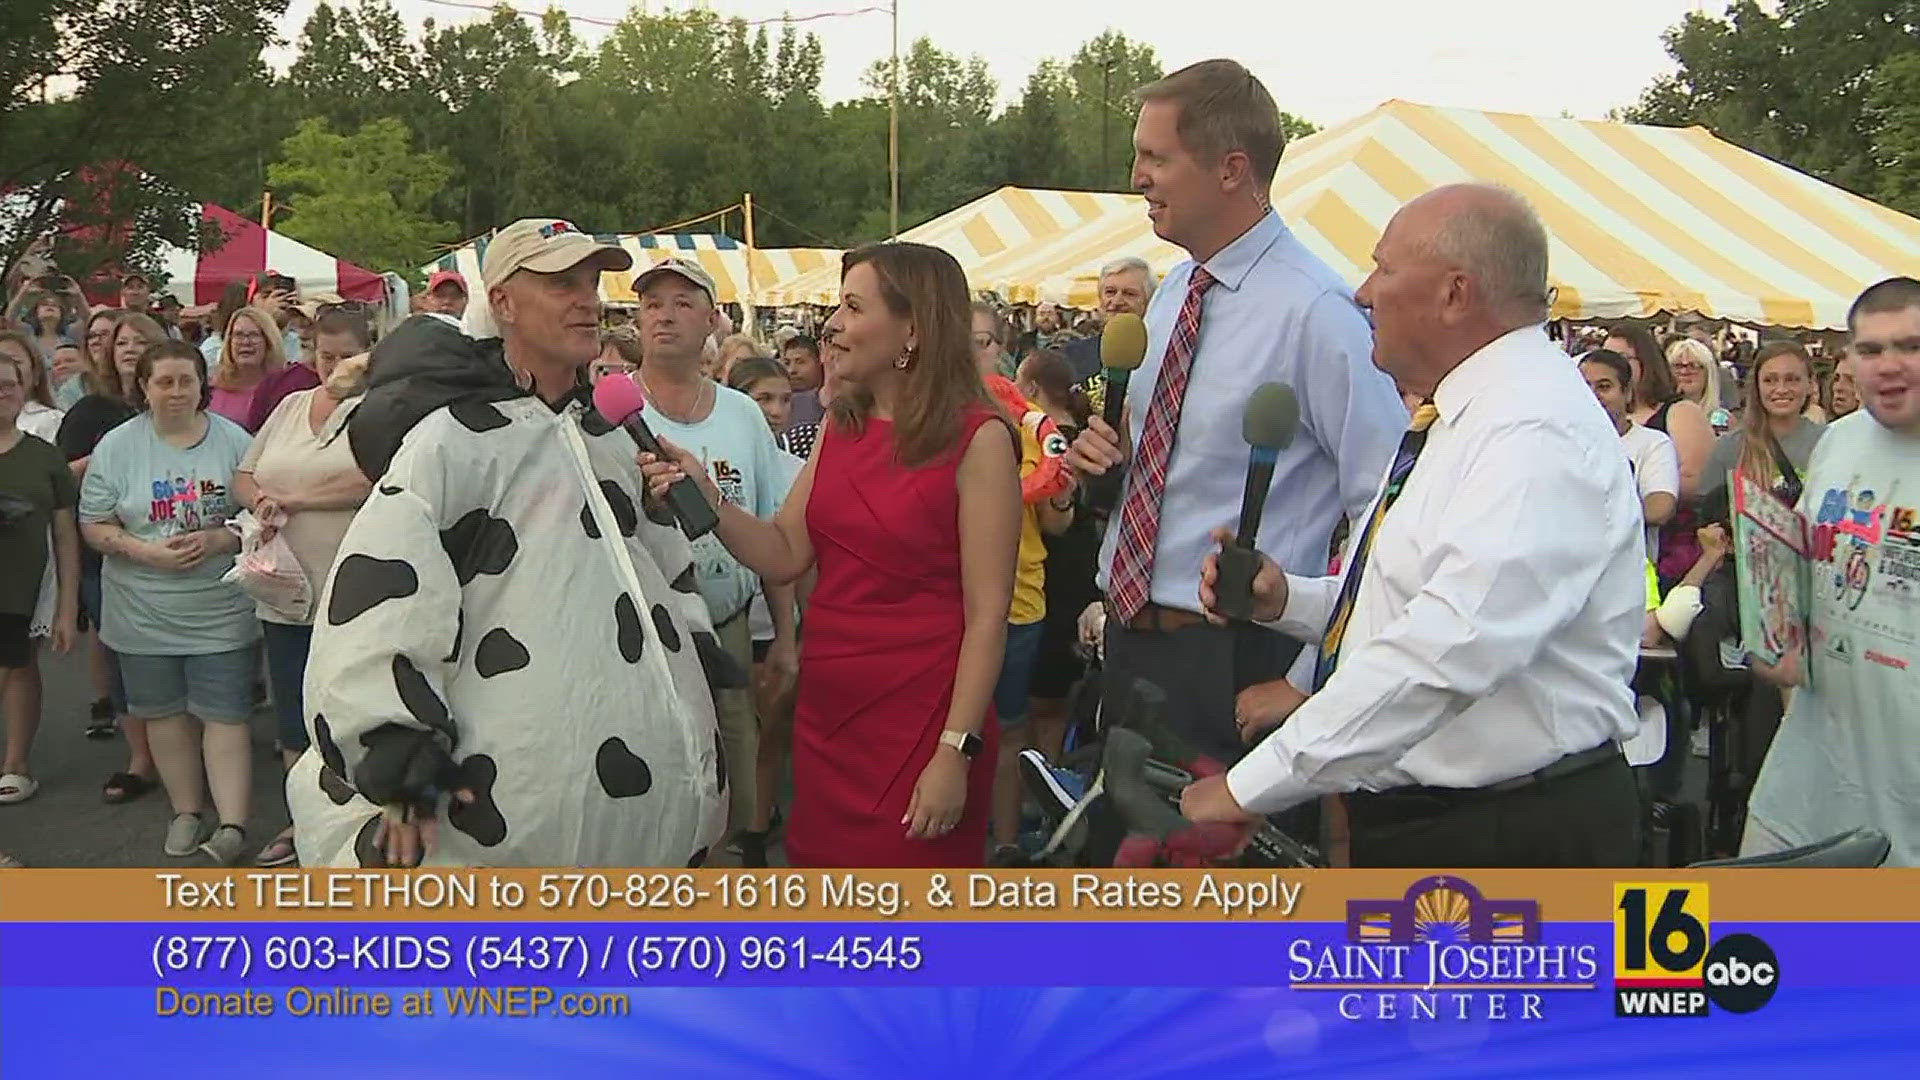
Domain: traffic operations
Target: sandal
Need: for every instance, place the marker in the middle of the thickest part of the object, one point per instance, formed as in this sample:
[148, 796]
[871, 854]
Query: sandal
[17, 788]
[124, 787]
[279, 851]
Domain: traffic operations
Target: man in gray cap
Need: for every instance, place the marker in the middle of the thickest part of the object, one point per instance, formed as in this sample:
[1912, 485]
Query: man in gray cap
[506, 642]
[725, 429]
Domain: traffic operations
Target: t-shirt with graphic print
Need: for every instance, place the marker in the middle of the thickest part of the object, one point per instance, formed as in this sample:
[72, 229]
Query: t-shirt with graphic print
[738, 449]
[1848, 752]
[157, 491]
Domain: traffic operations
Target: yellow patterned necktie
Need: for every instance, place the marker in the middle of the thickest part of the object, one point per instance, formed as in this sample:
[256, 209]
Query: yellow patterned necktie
[1410, 446]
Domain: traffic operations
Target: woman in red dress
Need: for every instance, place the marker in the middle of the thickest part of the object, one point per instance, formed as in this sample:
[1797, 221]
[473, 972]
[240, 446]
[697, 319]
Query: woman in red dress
[910, 506]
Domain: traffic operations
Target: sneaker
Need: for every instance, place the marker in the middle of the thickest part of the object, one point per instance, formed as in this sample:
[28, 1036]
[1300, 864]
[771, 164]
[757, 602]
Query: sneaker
[185, 834]
[100, 720]
[1057, 790]
[225, 845]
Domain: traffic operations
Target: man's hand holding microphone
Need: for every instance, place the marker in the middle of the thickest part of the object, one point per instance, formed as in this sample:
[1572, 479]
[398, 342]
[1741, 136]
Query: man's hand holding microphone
[1100, 452]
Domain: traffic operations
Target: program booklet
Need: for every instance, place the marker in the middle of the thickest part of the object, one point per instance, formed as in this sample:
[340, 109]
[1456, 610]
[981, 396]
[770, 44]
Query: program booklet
[1770, 559]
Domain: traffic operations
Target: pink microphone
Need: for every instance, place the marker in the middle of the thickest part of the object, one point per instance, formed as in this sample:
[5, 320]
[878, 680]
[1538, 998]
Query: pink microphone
[621, 401]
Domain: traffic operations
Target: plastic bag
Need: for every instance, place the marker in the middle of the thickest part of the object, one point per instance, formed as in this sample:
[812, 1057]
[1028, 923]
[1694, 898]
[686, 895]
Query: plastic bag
[266, 570]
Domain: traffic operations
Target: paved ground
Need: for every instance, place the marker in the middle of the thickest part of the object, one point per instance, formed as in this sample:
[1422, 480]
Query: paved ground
[66, 824]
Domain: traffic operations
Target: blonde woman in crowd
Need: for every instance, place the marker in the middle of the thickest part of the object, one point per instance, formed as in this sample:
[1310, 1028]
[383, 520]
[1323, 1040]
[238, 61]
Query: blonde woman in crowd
[1775, 440]
[1696, 375]
[300, 480]
[253, 373]
[733, 349]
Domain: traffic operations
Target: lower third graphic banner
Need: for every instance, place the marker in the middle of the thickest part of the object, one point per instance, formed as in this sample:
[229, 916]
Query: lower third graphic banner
[1446, 973]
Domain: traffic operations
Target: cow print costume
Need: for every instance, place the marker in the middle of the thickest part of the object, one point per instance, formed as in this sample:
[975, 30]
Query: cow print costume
[500, 598]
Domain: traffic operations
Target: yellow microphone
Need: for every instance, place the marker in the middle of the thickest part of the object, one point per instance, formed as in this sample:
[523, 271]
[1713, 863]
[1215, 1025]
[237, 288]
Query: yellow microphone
[1123, 347]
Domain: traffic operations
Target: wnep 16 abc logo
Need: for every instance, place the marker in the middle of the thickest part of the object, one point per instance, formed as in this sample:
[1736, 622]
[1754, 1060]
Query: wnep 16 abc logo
[1664, 965]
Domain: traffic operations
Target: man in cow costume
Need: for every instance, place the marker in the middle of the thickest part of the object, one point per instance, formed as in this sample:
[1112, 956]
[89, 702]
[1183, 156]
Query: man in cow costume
[510, 665]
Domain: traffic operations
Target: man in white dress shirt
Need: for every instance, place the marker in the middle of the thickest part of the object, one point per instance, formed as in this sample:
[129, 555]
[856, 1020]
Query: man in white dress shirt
[1253, 305]
[1474, 685]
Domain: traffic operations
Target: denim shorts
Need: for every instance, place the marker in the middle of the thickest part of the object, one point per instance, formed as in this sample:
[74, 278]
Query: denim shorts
[217, 688]
[287, 645]
[1010, 694]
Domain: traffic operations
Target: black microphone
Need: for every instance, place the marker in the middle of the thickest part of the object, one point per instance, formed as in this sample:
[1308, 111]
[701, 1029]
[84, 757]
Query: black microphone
[620, 400]
[1271, 418]
[1123, 347]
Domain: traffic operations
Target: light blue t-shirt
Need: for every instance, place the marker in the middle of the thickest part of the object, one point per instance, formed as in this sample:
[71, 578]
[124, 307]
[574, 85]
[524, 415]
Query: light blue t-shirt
[156, 490]
[738, 449]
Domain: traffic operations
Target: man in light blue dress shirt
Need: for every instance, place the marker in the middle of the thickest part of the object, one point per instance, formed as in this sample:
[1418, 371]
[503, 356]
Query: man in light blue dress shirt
[1207, 144]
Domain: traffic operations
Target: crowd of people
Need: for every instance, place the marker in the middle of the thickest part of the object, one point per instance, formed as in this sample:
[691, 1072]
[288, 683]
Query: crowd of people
[437, 558]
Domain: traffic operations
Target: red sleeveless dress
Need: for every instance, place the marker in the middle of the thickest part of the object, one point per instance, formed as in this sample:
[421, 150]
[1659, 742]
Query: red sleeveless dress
[882, 641]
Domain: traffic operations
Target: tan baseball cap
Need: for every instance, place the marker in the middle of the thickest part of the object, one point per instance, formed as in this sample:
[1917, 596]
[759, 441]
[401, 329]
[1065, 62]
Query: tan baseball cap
[686, 268]
[545, 246]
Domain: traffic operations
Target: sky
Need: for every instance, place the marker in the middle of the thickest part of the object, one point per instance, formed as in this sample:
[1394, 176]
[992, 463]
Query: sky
[1324, 61]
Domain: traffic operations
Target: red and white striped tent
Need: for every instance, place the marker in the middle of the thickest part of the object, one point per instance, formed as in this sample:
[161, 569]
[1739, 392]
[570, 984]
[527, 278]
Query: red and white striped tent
[198, 278]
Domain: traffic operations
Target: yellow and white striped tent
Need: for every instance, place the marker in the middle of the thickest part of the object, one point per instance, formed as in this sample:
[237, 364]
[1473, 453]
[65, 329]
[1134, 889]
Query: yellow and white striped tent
[721, 255]
[1009, 227]
[1642, 220]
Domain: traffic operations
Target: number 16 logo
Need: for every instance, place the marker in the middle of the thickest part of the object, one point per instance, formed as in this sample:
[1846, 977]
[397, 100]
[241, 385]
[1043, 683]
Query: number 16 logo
[1660, 934]
[1666, 963]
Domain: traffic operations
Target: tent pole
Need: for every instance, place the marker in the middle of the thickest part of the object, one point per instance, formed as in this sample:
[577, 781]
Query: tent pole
[746, 301]
[266, 209]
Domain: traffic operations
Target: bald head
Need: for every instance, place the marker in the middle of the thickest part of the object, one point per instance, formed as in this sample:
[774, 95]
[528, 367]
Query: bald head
[1493, 236]
[1456, 268]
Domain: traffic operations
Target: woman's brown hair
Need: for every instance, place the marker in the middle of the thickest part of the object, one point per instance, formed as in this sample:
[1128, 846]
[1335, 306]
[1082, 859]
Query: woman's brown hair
[32, 370]
[1656, 386]
[1051, 372]
[173, 350]
[941, 382]
[1760, 452]
[107, 382]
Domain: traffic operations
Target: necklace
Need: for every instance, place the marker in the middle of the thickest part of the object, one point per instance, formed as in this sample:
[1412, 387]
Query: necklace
[686, 418]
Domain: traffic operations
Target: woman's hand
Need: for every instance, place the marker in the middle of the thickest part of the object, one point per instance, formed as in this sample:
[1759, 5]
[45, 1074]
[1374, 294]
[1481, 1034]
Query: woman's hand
[191, 548]
[939, 796]
[66, 628]
[662, 473]
[172, 555]
[782, 667]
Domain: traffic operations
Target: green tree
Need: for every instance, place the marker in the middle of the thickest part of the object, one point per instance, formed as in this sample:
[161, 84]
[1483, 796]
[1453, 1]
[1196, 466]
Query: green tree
[114, 113]
[1103, 75]
[1893, 108]
[946, 150]
[1792, 81]
[362, 197]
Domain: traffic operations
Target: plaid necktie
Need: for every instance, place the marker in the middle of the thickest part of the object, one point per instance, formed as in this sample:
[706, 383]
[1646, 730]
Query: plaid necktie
[1410, 446]
[1140, 511]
